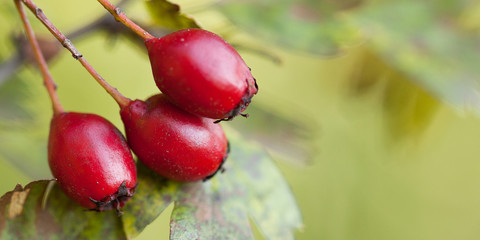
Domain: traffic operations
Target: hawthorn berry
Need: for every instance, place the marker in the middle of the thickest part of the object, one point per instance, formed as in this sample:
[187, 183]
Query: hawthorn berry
[174, 143]
[91, 161]
[201, 73]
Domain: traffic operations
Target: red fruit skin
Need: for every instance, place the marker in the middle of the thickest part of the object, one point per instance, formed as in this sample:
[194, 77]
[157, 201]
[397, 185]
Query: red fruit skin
[90, 158]
[173, 143]
[201, 73]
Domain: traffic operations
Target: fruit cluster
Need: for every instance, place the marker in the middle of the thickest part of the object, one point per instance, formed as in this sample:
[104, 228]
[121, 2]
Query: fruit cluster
[201, 77]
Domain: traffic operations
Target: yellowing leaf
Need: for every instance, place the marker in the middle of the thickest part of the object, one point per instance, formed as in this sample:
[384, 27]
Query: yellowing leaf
[407, 108]
[167, 14]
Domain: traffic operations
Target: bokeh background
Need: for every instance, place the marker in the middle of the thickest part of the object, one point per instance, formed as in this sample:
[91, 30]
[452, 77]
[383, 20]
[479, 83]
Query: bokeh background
[370, 108]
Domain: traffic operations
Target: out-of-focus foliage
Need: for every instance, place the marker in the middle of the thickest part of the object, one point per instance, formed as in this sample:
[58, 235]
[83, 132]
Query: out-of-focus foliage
[14, 94]
[312, 26]
[422, 40]
[428, 48]
[407, 108]
[293, 143]
[168, 15]
[19, 130]
[20, 143]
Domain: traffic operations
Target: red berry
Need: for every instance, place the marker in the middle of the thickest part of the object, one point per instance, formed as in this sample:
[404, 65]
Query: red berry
[91, 161]
[201, 73]
[175, 144]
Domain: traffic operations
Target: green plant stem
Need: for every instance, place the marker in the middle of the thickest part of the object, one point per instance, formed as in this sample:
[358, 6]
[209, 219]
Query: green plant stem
[117, 96]
[121, 17]
[42, 63]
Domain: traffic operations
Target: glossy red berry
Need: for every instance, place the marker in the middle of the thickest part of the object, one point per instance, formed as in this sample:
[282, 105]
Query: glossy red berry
[201, 73]
[91, 161]
[173, 143]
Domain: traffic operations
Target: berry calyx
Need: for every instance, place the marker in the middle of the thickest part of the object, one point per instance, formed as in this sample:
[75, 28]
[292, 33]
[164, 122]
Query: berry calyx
[116, 200]
[91, 161]
[173, 143]
[201, 73]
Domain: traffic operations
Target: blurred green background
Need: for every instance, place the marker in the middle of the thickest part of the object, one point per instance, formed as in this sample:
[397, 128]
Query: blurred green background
[381, 97]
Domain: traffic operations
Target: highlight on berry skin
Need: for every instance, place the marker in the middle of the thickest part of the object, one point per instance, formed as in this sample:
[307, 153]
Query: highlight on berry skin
[91, 161]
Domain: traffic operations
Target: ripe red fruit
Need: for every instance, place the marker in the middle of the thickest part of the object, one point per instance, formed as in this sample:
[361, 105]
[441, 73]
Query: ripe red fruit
[173, 143]
[201, 73]
[91, 161]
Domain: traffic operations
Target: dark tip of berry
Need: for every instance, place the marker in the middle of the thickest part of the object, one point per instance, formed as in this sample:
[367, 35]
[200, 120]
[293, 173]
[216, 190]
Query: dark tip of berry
[220, 120]
[115, 200]
[220, 168]
[246, 99]
[242, 105]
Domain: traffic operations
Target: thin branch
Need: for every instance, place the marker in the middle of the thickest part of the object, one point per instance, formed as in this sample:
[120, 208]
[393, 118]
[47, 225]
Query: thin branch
[119, 98]
[121, 17]
[47, 77]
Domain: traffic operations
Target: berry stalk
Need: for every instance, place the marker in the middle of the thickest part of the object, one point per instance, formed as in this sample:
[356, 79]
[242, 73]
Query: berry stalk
[117, 96]
[42, 63]
[121, 17]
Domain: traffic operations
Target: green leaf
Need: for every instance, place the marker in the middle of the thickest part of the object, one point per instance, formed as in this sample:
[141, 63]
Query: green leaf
[251, 186]
[153, 195]
[314, 26]
[167, 14]
[210, 211]
[28, 213]
[268, 198]
[419, 42]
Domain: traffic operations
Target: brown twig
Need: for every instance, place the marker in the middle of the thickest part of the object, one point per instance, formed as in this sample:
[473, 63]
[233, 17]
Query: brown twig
[47, 77]
[119, 98]
[121, 17]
